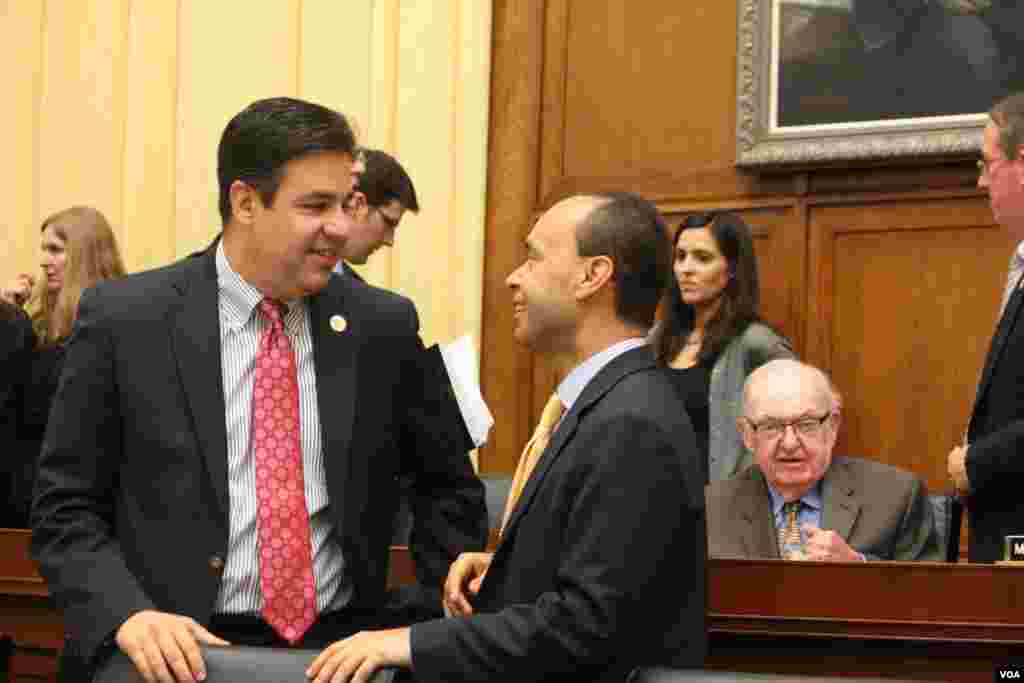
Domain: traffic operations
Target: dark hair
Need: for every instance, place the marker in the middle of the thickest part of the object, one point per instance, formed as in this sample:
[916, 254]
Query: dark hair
[384, 180]
[258, 142]
[1008, 114]
[629, 229]
[739, 298]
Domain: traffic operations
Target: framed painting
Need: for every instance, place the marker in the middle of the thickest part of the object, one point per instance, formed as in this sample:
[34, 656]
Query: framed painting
[823, 82]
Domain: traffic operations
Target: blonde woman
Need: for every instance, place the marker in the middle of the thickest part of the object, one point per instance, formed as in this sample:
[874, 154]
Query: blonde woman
[77, 250]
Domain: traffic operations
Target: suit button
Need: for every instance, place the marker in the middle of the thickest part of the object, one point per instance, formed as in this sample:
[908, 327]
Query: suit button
[216, 564]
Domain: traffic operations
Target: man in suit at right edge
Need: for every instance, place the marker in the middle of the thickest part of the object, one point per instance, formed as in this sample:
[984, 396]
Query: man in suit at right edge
[600, 564]
[988, 470]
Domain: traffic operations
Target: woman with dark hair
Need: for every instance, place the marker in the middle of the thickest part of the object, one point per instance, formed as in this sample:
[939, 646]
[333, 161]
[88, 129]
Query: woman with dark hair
[711, 335]
[77, 250]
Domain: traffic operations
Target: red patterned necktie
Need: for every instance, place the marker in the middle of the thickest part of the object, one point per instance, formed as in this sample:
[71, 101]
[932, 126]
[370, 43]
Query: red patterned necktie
[286, 563]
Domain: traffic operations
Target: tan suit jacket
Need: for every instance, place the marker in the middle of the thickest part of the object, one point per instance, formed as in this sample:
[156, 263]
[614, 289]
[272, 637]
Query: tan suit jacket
[879, 510]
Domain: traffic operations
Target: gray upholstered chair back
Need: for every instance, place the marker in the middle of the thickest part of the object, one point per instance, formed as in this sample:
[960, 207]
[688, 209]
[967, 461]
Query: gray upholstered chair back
[660, 675]
[235, 665]
[948, 513]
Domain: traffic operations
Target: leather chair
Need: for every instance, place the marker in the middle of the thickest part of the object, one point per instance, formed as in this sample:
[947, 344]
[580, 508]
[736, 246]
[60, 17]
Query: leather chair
[948, 512]
[236, 665]
[6, 655]
[662, 675]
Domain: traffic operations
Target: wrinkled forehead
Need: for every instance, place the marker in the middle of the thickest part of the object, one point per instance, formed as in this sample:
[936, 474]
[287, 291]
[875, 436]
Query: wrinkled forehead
[788, 393]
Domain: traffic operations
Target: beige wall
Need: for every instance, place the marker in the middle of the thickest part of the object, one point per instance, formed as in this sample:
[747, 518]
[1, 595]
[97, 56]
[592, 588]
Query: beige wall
[120, 103]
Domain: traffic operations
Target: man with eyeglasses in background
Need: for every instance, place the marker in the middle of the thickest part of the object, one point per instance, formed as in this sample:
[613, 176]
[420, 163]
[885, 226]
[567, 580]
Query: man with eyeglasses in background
[384, 192]
[799, 502]
[987, 469]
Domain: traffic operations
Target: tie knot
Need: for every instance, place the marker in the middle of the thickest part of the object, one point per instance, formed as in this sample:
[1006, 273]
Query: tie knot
[274, 311]
[552, 413]
[791, 508]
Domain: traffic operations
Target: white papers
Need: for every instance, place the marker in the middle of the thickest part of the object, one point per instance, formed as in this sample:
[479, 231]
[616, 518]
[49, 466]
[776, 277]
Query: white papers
[460, 362]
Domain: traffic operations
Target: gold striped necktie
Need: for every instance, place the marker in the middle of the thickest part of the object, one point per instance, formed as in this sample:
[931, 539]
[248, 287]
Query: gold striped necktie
[552, 413]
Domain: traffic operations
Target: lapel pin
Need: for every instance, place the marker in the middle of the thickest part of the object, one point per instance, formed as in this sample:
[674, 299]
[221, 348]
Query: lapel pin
[338, 323]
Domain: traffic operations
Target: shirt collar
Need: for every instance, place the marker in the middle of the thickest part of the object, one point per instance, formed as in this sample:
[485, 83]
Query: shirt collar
[240, 298]
[1017, 260]
[576, 381]
[811, 499]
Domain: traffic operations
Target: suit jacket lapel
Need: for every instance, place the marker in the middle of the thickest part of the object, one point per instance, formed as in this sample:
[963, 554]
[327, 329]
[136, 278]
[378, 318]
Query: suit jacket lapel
[629, 362]
[195, 340]
[839, 501]
[753, 503]
[1006, 323]
[351, 272]
[335, 354]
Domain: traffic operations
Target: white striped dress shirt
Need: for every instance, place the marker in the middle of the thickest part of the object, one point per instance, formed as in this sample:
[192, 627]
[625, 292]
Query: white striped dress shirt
[240, 328]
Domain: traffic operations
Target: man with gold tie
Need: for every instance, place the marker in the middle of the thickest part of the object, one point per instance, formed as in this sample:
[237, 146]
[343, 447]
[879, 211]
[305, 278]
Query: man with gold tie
[797, 501]
[600, 564]
[988, 469]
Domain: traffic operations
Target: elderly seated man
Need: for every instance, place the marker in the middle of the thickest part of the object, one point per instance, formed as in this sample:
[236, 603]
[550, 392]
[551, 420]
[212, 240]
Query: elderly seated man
[799, 502]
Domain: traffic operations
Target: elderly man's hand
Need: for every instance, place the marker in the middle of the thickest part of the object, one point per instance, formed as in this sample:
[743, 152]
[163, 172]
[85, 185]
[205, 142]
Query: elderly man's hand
[356, 658]
[956, 465]
[464, 576]
[165, 647]
[825, 545]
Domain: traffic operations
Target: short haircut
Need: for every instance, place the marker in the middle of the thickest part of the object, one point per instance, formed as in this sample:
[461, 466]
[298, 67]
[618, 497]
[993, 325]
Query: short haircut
[1008, 114]
[628, 229]
[258, 142]
[384, 181]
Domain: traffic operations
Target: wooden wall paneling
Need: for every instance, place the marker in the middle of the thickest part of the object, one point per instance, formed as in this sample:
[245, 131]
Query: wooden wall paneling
[513, 149]
[555, 80]
[609, 122]
[905, 298]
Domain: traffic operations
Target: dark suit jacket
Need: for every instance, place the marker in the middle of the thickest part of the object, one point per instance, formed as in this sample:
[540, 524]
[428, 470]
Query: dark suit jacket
[17, 342]
[437, 382]
[601, 567]
[131, 504]
[995, 458]
[879, 510]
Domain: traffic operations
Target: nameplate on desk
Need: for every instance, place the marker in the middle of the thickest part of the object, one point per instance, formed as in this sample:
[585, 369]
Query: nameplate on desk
[1014, 551]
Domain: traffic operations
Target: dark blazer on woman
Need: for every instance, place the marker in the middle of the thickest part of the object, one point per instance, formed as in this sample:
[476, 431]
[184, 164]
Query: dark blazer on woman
[17, 341]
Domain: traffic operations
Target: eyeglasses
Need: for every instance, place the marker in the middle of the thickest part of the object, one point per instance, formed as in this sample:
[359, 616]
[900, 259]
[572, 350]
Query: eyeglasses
[350, 204]
[390, 221]
[806, 427]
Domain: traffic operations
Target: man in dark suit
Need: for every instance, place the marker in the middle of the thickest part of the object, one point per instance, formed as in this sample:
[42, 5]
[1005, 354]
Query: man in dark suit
[600, 565]
[224, 444]
[797, 501]
[989, 469]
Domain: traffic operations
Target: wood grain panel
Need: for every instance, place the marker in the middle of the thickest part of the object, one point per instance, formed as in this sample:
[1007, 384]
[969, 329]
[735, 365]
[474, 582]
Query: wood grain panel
[512, 157]
[640, 98]
[905, 300]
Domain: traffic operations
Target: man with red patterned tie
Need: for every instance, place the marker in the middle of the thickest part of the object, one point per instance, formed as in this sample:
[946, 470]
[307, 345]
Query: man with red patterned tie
[229, 429]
